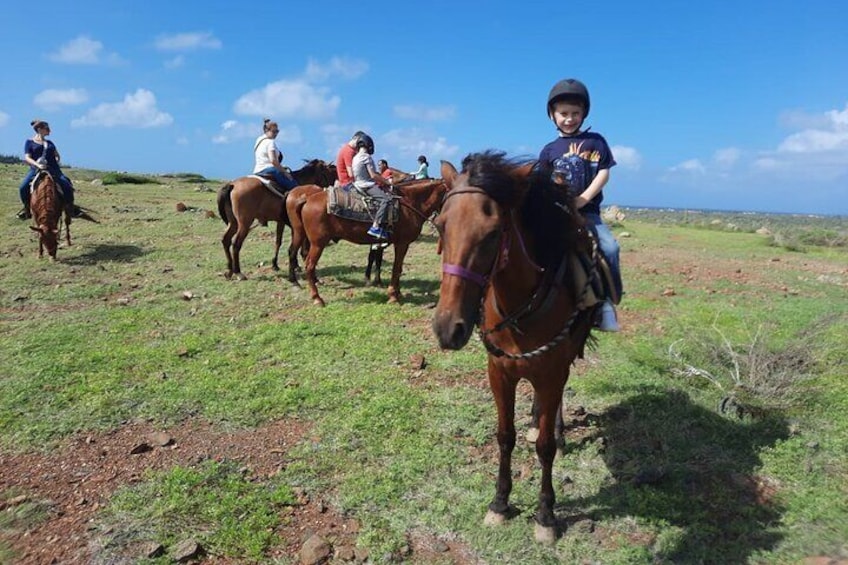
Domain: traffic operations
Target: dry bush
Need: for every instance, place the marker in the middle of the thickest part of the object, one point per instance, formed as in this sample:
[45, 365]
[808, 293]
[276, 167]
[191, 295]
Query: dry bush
[754, 377]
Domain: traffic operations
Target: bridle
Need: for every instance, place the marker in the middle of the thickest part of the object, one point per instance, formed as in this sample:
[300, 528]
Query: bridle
[483, 281]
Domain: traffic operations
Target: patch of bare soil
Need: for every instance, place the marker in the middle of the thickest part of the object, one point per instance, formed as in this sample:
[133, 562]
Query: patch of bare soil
[78, 477]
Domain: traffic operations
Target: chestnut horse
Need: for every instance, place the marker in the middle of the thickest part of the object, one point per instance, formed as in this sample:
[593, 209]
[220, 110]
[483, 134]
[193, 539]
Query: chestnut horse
[506, 236]
[246, 199]
[310, 221]
[47, 206]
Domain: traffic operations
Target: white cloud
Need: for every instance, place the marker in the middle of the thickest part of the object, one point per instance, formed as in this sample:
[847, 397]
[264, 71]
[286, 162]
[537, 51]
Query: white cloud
[4, 119]
[823, 133]
[425, 113]
[627, 157]
[187, 41]
[53, 99]
[689, 166]
[342, 67]
[288, 99]
[81, 50]
[137, 110]
[727, 157]
[233, 130]
[175, 63]
[414, 142]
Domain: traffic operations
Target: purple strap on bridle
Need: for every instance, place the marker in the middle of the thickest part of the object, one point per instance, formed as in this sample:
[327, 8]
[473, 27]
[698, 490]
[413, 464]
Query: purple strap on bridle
[463, 273]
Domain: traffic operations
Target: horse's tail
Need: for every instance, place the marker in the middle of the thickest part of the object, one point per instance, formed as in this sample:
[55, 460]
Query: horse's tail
[224, 201]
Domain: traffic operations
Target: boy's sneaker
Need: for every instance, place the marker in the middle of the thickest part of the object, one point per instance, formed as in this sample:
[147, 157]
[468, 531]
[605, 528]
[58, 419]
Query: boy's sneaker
[607, 321]
[379, 233]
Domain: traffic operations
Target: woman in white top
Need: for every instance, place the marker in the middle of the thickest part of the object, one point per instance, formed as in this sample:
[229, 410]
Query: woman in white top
[368, 180]
[422, 172]
[268, 157]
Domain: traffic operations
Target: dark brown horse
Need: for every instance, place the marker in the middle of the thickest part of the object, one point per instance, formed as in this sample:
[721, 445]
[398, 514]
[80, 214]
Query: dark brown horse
[506, 237]
[311, 221]
[246, 199]
[47, 208]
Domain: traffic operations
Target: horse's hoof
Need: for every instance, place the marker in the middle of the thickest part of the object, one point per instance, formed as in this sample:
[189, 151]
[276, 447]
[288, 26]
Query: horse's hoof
[545, 534]
[241, 277]
[228, 275]
[494, 519]
[318, 302]
[532, 435]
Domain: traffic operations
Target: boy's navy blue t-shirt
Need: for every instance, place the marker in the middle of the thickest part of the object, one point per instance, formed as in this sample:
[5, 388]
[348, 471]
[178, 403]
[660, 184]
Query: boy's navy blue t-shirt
[575, 161]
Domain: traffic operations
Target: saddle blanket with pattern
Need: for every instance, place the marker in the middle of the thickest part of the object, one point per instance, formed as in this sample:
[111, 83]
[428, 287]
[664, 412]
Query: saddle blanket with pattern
[346, 202]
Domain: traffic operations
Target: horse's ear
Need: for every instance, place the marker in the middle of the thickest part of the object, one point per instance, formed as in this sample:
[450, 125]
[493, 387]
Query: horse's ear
[448, 173]
[522, 172]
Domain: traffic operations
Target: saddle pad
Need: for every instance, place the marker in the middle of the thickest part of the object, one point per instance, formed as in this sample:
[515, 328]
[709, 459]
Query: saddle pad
[270, 185]
[345, 202]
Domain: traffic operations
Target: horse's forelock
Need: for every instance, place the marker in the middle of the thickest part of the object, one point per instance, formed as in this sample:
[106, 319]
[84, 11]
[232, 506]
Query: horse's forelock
[491, 171]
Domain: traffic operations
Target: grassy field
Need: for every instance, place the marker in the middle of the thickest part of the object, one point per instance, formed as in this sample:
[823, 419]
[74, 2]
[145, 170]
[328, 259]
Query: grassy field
[715, 426]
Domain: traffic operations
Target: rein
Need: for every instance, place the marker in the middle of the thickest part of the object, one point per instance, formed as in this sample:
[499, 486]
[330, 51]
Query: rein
[510, 320]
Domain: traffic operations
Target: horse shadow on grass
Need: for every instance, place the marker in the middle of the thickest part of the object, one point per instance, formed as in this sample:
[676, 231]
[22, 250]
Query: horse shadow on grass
[676, 463]
[107, 254]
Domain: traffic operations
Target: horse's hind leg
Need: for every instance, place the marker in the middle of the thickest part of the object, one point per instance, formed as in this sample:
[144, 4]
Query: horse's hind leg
[533, 430]
[315, 250]
[503, 389]
[238, 241]
[226, 242]
[68, 229]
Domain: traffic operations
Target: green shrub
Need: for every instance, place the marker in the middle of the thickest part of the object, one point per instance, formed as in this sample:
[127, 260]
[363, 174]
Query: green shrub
[124, 178]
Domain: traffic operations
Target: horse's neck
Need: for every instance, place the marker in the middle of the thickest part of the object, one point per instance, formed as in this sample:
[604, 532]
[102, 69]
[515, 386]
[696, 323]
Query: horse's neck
[428, 198]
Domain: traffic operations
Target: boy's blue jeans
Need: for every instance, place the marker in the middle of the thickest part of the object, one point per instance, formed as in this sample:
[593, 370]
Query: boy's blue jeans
[286, 182]
[67, 186]
[609, 247]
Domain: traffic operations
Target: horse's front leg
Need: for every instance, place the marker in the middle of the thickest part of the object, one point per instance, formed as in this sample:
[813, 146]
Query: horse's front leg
[549, 399]
[503, 389]
[397, 271]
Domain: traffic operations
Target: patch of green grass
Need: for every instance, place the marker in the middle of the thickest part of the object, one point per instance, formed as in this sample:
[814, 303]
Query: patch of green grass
[213, 503]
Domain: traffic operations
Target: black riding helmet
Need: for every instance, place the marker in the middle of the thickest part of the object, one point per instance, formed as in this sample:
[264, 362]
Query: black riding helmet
[569, 88]
[365, 141]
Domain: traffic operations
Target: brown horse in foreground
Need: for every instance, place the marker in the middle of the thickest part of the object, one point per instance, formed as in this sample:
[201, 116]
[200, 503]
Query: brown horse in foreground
[311, 221]
[246, 199]
[506, 234]
[47, 207]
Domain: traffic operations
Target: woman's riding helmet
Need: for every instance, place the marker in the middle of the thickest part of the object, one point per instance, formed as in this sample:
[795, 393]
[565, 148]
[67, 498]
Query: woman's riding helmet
[365, 141]
[569, 88]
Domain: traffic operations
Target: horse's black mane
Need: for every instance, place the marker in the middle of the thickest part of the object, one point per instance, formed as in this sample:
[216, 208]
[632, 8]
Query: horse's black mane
[547, 211]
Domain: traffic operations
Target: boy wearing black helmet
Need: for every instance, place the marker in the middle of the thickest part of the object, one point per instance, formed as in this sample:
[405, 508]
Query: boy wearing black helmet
[582, 160]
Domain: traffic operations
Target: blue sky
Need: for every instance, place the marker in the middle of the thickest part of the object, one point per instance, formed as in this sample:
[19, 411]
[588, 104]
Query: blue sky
[722, 105]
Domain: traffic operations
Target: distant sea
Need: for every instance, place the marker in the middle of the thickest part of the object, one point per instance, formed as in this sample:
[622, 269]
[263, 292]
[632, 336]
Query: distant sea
[713, 211]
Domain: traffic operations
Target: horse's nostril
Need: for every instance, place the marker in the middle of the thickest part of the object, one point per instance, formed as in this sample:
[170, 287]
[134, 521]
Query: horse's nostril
[458, 337]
